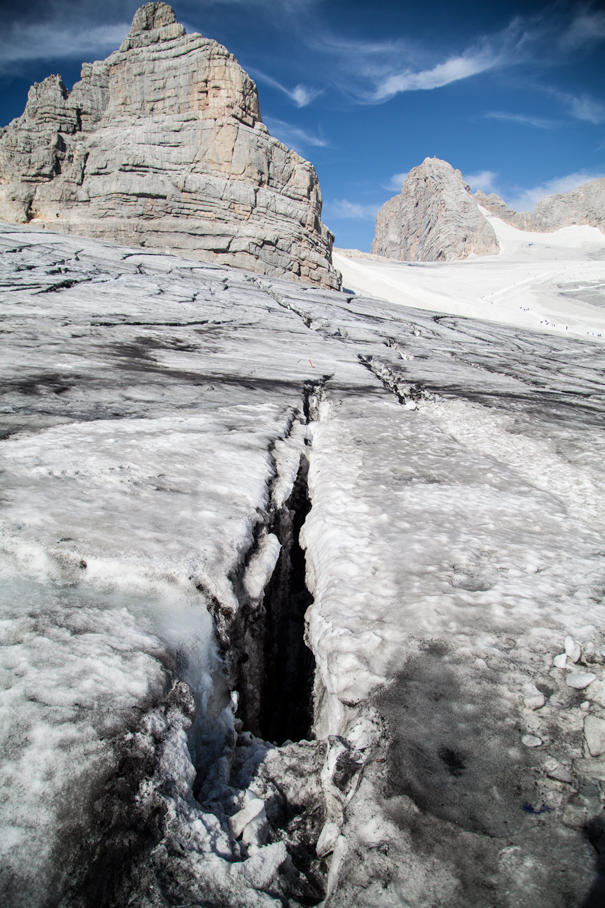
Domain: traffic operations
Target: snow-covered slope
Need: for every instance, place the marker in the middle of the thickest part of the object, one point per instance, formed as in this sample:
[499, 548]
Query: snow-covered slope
[541, 281]
[183, 445]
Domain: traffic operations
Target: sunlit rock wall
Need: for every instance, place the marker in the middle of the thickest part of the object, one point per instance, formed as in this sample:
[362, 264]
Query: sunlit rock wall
[435, 218]
[162, 145]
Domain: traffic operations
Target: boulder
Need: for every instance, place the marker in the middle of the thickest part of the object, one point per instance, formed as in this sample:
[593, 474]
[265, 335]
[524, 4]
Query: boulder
[162, 145]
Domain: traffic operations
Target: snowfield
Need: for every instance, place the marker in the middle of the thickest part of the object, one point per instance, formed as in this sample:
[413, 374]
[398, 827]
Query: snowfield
[552, 282]
[203, 469]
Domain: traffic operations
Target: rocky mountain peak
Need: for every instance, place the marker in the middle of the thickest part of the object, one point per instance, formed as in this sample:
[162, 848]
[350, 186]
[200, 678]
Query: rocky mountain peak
[150, 16]
[435, 218]
[163, 145]
[152, 23]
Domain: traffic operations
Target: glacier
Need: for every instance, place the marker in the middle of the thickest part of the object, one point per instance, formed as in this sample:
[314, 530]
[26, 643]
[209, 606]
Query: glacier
[303, 592]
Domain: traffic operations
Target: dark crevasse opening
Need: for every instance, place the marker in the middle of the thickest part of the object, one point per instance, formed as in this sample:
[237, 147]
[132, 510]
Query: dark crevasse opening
[286, 701]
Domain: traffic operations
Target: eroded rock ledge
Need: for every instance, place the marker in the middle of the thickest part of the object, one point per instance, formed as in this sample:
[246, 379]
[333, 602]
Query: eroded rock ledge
[162, 145]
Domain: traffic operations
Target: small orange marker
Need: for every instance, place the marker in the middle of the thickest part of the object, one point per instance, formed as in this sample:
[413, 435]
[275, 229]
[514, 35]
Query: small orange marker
[312, 366]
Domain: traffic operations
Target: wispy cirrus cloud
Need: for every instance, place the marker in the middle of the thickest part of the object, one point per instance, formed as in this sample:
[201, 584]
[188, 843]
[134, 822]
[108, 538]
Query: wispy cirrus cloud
[452, 70]
[524, 119]
[585, 108]
[373, 72]
[587, 27]
[342, 208]
[293, 136]
[580, 107]
[301, 94]
[58, 41]
[526, 199]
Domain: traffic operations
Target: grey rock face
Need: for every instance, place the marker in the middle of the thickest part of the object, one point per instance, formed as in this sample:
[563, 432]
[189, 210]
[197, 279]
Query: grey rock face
[498, 207]
[435, 218]
[584, 205]
[162, 145]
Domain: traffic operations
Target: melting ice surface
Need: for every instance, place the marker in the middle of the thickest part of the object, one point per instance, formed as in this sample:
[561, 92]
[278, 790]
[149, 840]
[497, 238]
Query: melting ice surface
[154, 418]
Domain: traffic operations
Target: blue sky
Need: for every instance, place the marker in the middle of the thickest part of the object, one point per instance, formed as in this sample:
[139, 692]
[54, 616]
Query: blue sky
[511, 93]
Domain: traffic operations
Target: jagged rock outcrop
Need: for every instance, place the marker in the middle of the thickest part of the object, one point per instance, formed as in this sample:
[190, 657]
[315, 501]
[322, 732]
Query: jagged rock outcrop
[162, 145]
[584, 205]
[435, 218]
[498, 207]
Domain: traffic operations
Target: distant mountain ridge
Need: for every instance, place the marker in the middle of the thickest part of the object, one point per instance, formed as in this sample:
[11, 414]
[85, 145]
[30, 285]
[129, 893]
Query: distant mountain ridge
[582, 206]
[436, 217]
[162, 145]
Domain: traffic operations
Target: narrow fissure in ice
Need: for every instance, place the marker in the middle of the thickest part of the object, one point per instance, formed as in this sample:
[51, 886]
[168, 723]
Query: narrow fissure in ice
[272, 668]
[245, 765]
[286, 709]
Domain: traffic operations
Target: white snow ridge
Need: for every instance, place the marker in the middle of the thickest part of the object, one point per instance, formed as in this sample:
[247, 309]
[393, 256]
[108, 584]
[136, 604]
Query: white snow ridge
[302, 591]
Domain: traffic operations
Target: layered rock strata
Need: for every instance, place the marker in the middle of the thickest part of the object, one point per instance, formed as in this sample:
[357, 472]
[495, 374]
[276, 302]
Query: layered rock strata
[584, 205]
[162, 145]
[435, 218]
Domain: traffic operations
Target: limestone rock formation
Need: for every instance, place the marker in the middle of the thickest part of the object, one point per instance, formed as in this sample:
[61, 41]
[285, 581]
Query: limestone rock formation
[498, 207]
[584, 205]
[435, 218]
[162, 145]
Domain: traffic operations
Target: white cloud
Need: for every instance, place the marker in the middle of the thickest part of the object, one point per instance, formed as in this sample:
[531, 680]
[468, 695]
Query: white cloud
[58, 41]
[581, 107]
[301, 95]
[586, 108]
[483, 180]
[587, 28]
[526, 199]
[396, 181]
[373, 72]
[293, 136]
[342, 208]
[26, 43]
[451, 70]
[539, 122]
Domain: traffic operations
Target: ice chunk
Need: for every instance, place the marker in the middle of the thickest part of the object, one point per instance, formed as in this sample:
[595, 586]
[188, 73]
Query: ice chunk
[262, 565]
[253, 808]
[531, 740]
[580, 680]
[573, 650]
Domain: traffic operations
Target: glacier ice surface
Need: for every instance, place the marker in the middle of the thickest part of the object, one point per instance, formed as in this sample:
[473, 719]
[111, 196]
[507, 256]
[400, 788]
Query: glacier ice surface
[155, 413]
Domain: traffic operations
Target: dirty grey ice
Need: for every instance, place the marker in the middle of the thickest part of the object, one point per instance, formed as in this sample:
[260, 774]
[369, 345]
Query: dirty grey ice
[302, 594]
